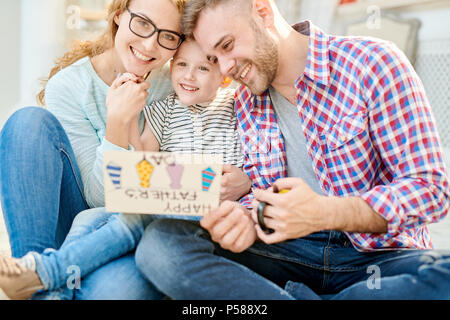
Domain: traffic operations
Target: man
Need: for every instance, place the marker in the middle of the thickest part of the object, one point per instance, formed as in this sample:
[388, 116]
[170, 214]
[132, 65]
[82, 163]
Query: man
[347, 115]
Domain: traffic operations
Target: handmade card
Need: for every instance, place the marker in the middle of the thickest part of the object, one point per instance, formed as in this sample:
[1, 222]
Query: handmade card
[161, 183]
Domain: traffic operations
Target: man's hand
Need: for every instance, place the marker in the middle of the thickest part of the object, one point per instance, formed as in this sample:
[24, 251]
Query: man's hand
[301, 211]
[291, 215]
[235, 183]
[231, 226]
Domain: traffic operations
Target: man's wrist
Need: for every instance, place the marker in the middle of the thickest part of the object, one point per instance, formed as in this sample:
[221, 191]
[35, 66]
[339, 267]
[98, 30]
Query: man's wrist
[328, 219]
[351, 214]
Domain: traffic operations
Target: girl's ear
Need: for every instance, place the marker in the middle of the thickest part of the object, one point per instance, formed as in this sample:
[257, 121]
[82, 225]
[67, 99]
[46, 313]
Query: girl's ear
[171, 66]
[226, 82]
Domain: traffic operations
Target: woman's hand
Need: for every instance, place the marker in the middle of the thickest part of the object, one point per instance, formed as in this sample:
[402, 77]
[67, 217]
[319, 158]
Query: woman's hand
[126, 98]
[291, 215]
[235, 183]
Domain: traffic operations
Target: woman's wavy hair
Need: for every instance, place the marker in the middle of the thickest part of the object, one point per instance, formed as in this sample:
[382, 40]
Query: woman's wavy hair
[83, 49]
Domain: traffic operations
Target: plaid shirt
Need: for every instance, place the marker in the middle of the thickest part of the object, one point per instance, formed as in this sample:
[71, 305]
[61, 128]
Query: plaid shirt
[369, 133]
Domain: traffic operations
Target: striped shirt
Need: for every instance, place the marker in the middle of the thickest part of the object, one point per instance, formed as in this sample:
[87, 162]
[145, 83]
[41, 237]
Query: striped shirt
[198, 129]
[369, 130]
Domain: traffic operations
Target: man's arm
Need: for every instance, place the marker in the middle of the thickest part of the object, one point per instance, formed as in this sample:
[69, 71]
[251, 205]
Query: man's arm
[301, 212]
[404, 133]
[353, 214]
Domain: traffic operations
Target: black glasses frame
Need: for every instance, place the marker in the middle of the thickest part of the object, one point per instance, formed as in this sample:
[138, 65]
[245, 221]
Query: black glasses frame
[156, 30]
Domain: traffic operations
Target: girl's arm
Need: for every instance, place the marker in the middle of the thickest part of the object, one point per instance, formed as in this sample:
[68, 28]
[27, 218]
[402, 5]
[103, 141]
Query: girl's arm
[148, 140]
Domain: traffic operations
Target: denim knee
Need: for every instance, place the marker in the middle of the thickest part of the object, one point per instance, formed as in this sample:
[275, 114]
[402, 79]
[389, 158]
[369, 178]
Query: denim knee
[28, 125]
[89, 220]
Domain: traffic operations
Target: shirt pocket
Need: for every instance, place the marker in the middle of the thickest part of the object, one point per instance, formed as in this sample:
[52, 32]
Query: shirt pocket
[343, 132]
[348, 154]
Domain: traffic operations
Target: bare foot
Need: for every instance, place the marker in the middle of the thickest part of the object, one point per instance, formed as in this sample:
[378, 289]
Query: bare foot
[16, 281]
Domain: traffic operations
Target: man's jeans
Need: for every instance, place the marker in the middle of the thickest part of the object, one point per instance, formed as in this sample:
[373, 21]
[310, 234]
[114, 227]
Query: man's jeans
[41, 193]
[324, 264]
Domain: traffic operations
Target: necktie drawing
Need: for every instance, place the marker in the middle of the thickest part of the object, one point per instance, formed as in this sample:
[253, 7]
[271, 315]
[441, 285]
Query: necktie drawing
[145, 171]
[114, 172]
[208, 176]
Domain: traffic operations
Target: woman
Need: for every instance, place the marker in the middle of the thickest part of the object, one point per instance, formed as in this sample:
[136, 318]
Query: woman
[51, 163]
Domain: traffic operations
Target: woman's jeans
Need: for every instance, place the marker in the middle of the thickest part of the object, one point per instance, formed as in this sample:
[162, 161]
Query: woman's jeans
[41, 193]
[321, 265]
[96, 238]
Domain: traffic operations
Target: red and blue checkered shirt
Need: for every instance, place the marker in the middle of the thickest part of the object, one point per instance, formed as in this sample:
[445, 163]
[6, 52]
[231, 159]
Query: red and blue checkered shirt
[369, 133]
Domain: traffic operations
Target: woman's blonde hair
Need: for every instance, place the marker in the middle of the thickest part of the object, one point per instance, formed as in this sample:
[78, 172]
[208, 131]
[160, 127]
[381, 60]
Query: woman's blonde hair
[96, 47]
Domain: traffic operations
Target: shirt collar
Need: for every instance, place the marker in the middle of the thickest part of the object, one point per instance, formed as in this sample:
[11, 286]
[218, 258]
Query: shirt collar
[317, 64]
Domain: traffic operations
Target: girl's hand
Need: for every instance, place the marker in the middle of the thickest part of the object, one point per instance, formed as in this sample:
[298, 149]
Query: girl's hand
[235, 183]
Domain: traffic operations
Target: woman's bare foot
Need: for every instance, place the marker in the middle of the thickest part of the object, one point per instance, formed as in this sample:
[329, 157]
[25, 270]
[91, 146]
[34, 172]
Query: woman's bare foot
[16, 281]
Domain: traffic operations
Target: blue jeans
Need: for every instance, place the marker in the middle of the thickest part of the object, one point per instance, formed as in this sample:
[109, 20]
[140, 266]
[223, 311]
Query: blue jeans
[40, 184]
[322, 265]
[41, 193]
[96, 238]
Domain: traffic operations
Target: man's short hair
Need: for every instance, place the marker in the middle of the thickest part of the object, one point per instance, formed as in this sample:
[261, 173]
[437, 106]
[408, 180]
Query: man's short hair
[193, 8]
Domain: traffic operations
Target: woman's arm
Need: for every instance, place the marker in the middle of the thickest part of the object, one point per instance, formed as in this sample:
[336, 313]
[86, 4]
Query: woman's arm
[64, 98]
[125, 101]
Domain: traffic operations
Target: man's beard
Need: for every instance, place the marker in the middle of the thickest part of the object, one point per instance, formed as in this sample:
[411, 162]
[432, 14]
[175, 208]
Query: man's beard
[265, 62]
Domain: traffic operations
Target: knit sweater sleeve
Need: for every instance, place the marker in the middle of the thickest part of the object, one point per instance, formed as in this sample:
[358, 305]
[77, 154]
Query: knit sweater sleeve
[65, 97]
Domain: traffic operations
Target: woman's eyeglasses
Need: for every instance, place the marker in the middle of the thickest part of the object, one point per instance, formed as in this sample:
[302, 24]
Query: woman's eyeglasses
[145, 28]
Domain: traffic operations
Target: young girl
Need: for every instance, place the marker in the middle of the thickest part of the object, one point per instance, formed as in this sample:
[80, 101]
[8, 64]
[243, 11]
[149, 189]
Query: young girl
[198, 118]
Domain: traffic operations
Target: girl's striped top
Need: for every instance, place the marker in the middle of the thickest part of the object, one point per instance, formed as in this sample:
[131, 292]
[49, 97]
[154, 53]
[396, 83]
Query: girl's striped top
[197, 129]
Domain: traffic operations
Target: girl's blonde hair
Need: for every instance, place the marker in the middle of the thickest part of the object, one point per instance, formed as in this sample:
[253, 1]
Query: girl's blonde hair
[96, 47]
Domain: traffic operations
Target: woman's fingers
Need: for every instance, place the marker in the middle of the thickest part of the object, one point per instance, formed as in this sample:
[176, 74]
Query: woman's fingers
[123, 78]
